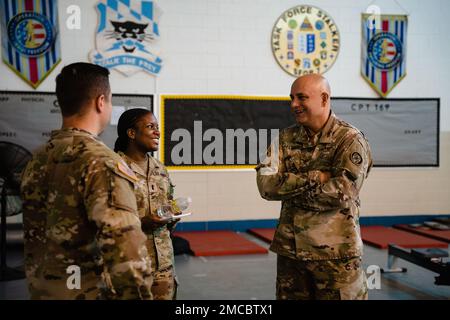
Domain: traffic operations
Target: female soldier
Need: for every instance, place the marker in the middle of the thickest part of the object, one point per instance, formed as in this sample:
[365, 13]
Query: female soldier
[138, 134]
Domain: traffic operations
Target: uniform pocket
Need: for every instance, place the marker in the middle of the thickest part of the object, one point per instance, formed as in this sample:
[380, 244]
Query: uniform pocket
[356, 286]
[158, 186]
[121, 190]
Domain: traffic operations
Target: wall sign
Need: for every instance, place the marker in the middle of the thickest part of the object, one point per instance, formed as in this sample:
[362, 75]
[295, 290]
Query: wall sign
[30, 38]
[127, 35]
[27, 118]
[233, 132]
[383, 49]
[305, 39]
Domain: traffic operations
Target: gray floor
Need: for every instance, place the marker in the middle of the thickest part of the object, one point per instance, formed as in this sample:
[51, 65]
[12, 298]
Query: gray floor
[252, 277]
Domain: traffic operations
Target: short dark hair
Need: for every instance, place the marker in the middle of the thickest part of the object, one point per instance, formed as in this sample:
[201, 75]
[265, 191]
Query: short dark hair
[78, 83]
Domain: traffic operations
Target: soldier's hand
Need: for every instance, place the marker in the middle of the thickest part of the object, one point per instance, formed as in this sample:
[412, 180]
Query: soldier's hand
[157, 220]
[175, 219]
[324, 176]
[154, 221]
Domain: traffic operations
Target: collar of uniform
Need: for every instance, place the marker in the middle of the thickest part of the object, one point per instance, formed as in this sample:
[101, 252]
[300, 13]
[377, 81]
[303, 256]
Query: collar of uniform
[133, 165]
[302, 136]
[70, 131]
[327, 131]
[152, 163]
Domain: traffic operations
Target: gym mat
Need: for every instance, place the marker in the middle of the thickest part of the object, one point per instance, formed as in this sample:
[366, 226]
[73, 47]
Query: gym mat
[265, 234]
[219, 243]
[440, 235]
[381, 237]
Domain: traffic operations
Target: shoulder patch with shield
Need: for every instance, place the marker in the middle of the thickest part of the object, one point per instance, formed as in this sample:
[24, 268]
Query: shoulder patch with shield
[356, 158]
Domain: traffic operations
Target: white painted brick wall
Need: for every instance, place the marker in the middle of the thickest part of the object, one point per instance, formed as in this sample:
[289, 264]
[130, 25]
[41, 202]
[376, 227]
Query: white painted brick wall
[223, 47]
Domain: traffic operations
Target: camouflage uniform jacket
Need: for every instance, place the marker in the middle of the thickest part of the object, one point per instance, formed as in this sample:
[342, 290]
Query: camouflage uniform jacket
[317, 221]
[155, 190]
[80, 209]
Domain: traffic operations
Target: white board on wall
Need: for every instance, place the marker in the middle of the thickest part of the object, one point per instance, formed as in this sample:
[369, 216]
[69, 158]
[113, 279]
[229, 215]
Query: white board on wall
[27, 118]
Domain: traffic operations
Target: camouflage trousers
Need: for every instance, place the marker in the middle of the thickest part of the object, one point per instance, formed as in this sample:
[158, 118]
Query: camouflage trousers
[165, 284]
[321, 280]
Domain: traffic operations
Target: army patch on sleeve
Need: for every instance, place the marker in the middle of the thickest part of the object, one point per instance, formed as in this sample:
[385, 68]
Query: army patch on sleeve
[124, 169]
[356, 158]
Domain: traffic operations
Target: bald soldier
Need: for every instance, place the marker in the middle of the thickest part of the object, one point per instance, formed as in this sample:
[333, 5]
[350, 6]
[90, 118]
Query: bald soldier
[82, 233]
[317, 168]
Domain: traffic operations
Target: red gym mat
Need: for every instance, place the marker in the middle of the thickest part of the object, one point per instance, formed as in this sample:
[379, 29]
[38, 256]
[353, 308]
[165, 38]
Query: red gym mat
[219, 243]
[262, 233]
[381, 237]
[440, 235]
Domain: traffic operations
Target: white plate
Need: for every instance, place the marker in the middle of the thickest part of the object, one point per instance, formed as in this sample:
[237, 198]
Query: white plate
[181, 215]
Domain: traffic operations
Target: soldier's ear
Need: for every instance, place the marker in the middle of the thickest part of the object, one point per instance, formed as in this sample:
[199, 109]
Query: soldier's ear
[325, 96]
[100, 103]
[131, 133]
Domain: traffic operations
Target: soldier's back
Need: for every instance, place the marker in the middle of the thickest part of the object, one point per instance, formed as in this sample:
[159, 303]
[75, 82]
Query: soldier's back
[58, 232]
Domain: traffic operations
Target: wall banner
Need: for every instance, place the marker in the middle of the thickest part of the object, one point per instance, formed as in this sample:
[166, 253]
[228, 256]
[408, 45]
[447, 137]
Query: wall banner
[27, 118]
[305, 39]
[233, 132]
[126, 38]
[383, 48]
[30, 38]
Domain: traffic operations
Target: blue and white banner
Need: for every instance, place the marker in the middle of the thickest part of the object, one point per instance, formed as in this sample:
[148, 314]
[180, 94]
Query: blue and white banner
[383, 48]
[126, 38]
[30, 38]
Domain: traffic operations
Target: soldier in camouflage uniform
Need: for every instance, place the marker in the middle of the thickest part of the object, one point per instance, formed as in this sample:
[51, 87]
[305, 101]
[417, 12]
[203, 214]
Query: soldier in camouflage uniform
[79, 204]
[317, 168]
[138, 134]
